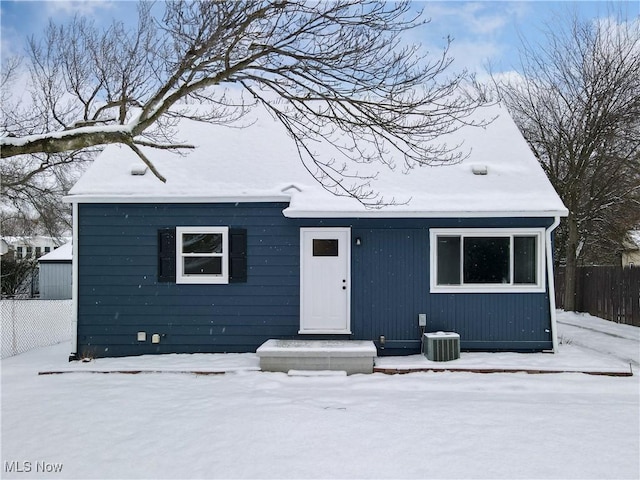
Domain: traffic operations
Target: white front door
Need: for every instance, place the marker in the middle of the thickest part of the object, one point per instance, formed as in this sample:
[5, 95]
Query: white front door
[325, 280]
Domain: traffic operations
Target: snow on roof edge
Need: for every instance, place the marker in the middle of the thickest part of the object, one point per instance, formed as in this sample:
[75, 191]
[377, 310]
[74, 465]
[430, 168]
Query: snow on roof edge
[62, 253]
[291, 212]
[90, 198]
[515, 183]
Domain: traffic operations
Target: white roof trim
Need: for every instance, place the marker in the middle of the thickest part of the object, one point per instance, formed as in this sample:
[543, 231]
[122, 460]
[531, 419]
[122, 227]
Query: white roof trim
[296, 213]
[173, 199]
[419, 214]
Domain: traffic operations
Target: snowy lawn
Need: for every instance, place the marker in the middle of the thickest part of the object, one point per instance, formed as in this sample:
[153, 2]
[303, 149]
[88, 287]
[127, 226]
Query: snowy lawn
[249, 424]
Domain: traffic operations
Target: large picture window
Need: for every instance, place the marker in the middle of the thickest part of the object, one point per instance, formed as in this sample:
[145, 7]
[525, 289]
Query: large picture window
[202, 255]
[493, 260]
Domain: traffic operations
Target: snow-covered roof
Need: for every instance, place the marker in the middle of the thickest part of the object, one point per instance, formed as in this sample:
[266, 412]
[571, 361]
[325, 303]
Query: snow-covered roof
[261, 163]
[32, 241]
[633, 240]
[60, 254]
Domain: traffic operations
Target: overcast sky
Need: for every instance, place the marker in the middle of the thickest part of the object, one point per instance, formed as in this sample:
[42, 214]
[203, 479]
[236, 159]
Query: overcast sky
[483, 32]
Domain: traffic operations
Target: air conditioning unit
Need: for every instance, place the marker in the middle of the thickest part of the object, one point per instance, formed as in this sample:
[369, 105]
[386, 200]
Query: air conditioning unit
[442, 346]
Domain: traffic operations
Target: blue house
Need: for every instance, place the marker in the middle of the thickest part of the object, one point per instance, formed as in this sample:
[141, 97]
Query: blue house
[242, 245]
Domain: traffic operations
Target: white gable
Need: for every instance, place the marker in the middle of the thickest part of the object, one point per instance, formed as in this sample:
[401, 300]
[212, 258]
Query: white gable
[500, 177]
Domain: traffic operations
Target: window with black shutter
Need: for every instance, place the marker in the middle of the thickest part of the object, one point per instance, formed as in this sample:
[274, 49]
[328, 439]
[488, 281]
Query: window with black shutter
[201, 255]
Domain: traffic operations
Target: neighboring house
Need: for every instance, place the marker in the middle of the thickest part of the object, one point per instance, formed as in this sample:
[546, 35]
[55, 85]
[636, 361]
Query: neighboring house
[631, 252]
[56, 273]
[29, 246]
[242, 245]
[4, 246]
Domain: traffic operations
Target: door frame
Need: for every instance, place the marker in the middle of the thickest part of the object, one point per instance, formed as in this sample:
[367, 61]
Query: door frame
[347, 260]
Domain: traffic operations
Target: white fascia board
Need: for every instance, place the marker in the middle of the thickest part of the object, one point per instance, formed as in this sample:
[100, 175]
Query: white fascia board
[173, 199]
[421, 214]
[299, 213]
[295, 213]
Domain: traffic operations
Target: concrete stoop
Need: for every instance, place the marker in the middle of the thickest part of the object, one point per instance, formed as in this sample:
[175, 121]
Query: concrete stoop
[350, 356]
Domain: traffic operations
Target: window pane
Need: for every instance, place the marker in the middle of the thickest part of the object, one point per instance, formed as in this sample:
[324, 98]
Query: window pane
[486, 260]
[201, 243]
[524, 260]
[448, 261]
[325, 248]
[202, 265]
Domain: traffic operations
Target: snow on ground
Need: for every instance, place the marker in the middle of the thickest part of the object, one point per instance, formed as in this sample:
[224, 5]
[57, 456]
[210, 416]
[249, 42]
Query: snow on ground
[250, 424]
[594, 335]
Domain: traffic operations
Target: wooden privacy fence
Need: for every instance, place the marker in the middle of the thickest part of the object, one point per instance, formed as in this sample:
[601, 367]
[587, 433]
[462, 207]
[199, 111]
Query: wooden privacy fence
[612, 293]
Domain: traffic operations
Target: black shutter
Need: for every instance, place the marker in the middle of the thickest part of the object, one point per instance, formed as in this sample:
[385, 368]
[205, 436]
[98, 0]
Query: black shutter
[237, 255]
[167, 255]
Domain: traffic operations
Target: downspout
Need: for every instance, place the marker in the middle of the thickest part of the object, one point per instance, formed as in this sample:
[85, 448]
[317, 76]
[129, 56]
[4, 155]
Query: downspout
[552, 286]
[74, 283]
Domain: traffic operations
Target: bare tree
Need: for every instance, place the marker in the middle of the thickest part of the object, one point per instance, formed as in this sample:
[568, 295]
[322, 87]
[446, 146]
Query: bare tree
[341, 71]
[16, 276]
[578, 105]
[31, 190]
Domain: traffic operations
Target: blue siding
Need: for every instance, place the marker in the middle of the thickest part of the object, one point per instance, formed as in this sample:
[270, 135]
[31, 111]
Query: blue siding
[390, 287]
[119, 294]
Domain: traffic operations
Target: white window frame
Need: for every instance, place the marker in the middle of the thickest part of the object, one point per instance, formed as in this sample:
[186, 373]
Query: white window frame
[181, 277]
[538, 287]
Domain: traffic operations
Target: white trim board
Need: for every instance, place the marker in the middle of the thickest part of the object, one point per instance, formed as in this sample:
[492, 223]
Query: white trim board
[294, 213]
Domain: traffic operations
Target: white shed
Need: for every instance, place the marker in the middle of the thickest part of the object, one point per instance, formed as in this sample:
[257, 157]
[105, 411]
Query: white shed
[56, 273]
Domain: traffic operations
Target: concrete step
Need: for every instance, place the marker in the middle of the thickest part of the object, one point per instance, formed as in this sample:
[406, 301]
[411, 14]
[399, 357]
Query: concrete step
[351, 356]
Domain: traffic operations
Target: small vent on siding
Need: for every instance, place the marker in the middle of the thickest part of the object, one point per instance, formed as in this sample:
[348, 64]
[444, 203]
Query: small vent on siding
[442, 346]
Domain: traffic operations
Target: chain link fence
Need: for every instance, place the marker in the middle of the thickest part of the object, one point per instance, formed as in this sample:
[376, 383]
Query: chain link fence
[28, 324]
